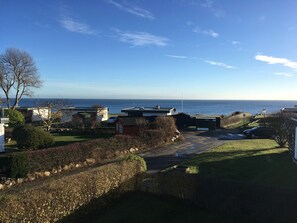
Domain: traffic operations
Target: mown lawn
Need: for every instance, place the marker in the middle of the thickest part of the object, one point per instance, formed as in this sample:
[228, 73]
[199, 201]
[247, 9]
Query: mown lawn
[147, 208]
[257, 161]
[64, 138]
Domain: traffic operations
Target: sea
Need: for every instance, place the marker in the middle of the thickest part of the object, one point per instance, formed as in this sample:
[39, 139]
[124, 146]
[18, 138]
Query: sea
[206, 107]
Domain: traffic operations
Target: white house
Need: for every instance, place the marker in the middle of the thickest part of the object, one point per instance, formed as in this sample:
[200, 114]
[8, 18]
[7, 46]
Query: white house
[33, 114]
[99, 113]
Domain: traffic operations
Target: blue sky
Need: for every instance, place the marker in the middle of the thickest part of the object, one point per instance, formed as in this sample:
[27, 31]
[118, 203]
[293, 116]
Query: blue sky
[149, 49]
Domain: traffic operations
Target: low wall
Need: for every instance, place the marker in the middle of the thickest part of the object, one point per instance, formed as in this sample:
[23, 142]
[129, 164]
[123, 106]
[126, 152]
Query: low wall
[52, 199]
[256, 203]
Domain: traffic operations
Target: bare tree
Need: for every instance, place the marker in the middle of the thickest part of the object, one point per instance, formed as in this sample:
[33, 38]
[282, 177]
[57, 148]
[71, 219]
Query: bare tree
[52, 112]
[282, 126]
[18, 75]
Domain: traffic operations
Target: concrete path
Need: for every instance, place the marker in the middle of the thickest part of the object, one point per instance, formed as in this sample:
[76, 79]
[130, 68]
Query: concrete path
[194, 143]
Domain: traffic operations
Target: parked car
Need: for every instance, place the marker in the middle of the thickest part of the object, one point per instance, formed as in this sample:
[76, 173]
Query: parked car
[259, 132]
[112, 120]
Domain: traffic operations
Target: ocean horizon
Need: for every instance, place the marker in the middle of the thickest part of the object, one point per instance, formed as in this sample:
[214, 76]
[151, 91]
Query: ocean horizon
[191, 106]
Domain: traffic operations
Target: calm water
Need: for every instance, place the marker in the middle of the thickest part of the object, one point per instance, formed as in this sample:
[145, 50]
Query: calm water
[208, 107]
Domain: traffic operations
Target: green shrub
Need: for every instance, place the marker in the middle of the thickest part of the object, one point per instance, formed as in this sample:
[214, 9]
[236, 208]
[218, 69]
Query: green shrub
[18, 165]
[30, 137]
[16, 118]
[139, 159]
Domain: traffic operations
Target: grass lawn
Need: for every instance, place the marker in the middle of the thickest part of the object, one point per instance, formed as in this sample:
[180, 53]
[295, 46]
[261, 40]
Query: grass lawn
[256, 161]
[64, 138]
[140, 207]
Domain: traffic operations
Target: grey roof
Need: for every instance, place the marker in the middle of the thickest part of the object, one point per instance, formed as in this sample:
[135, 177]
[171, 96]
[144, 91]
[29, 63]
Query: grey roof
[290, 109]
[86, 109]
[156, 109]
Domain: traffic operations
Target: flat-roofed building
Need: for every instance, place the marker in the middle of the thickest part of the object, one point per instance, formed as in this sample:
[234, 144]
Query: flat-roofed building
[148, 111]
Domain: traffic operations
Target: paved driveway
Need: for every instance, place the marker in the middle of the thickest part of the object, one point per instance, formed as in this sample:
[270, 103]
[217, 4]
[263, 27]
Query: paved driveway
[194, 143]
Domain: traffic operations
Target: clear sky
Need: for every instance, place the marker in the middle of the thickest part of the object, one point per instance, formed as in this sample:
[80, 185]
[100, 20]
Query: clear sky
[195, 49]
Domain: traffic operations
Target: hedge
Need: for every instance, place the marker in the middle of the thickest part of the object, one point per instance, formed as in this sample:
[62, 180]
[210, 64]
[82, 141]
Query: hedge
[46, 159]
[259, 203]
[53, 199]
[99, 149]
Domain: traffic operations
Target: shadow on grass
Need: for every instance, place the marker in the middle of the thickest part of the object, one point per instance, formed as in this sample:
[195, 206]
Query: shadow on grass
[162, 162]
[275, 169]
[146, 208]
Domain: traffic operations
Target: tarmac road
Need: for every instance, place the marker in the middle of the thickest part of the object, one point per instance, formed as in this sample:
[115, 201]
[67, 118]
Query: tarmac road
[170, 155]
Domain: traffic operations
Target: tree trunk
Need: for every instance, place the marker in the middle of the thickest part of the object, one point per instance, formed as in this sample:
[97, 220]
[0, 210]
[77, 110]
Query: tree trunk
[7, 101]
[15, 104]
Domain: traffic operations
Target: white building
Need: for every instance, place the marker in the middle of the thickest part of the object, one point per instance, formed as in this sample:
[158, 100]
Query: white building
[33, 114]
[100, 113]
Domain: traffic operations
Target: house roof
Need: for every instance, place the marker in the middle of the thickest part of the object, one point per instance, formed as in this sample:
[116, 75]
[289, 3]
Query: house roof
[83, 109]
[156, 109]
[294, 109]
[30, 108]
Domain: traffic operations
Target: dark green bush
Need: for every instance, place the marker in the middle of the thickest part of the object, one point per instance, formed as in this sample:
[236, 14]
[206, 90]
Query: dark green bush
[16, 118]
[30, 137]
[18, 165]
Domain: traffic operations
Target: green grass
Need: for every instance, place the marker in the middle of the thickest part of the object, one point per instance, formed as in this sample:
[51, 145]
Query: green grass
[147, 208]
[63, 138]
[256, 161]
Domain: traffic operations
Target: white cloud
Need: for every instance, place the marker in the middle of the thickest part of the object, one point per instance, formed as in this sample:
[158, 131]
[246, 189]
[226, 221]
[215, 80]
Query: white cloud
[76, 26]
[276, 60]
[207, 4]
[234, 42]
[141, 38]
[179, 57]
[209, 32]
[284, 74]
[215, 11]
[132, 9]
[219, 64]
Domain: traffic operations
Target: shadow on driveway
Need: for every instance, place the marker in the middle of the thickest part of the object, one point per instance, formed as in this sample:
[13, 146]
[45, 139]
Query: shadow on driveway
[193, 144]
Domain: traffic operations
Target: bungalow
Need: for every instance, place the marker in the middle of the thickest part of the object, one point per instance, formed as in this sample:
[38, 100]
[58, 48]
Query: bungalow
[34, 114]
[148, 111]
[289, 110]
[184, 120]
[98, 113]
